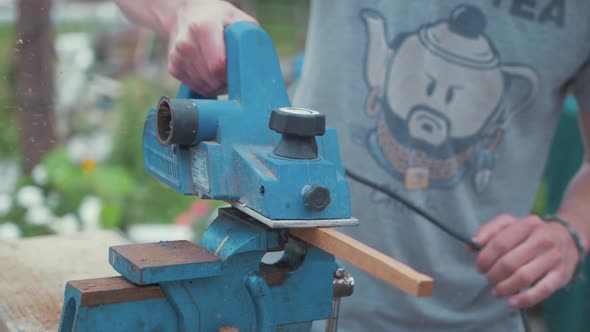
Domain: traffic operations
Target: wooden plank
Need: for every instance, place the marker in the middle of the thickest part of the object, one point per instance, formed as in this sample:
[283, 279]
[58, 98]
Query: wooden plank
[113, 290]
[164, 261]
[164, 253]
[34, 273]
[368, 259]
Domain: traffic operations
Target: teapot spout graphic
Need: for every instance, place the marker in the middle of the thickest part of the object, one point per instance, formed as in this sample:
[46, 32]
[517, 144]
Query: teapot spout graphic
[378, 51]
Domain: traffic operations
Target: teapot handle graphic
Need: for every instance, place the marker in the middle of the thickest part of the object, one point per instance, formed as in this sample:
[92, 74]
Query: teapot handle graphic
[528, 75]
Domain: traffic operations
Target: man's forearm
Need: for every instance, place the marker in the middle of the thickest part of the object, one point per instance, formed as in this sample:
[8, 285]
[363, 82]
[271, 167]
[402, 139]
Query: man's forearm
[158, 15]
[575, 207]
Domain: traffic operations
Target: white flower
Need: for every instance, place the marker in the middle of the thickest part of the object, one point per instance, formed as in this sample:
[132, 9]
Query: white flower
[89, 212]
[39, 175]
[102, 145]
[78, 149]
[39, 215]
[10, 172]
[5, 203]
[53, 199]
[29, 197]
[9, 231]
[65, 225]
[96, 146]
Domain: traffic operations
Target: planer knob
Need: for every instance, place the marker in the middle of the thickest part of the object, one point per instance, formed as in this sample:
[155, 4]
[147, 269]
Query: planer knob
[299, 127]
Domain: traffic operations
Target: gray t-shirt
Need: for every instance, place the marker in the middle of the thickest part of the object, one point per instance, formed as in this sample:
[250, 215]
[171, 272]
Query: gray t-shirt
[452, 104]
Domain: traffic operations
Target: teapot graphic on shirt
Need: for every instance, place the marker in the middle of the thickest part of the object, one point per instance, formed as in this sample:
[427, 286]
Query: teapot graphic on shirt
[440, 96]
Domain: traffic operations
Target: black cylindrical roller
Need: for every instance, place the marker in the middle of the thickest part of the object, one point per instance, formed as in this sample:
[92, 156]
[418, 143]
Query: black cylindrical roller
[177, 121]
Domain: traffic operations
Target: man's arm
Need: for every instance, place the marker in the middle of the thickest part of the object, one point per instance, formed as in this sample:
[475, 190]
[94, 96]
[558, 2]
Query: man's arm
[195, 29]
[527, 259]
[157, 15]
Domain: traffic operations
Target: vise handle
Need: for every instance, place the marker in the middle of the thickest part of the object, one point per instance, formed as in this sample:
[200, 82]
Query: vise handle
[367, 259]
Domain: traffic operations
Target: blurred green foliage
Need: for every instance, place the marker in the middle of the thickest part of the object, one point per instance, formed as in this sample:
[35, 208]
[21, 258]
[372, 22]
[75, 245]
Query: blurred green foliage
[127, 193]
[286, 23]
[17, 215]
[68, 184]
[112, 183]
[8, 111]
[151, 201]
[541, 199]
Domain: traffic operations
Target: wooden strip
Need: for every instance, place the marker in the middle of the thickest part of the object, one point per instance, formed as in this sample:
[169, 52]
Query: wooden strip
[368, 259]
[113, 290]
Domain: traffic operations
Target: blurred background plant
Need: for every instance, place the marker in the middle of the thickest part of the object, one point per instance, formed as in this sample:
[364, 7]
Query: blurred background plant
[107, 75]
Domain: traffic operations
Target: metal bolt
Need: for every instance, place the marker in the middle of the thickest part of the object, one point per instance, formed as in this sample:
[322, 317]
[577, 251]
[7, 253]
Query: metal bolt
[316, 197]
[343, 286]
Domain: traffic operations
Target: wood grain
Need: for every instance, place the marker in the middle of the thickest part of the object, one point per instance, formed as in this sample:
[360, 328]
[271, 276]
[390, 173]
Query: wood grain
[108, 290]
[34, 273]
[368, 259]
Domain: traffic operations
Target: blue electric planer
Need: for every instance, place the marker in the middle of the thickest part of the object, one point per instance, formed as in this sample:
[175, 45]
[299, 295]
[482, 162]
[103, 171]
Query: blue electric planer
[274, 162]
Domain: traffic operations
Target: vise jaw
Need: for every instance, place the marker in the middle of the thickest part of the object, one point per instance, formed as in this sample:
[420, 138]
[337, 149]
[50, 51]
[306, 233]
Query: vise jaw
[276, 163]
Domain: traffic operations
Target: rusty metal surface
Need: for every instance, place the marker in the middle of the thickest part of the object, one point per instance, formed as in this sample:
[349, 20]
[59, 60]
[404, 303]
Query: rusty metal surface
[165, 253]
[113, 290]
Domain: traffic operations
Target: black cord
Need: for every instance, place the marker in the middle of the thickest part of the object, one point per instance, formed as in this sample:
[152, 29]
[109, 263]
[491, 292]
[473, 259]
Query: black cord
[474, 246]
[525, 320]
[417, 210]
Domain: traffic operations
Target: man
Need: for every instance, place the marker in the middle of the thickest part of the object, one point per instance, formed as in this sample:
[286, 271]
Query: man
[452, 105]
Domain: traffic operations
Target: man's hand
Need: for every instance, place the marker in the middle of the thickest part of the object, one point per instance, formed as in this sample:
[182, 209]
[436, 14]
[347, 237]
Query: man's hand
[525, 259]
[195, 29]
[197, 54]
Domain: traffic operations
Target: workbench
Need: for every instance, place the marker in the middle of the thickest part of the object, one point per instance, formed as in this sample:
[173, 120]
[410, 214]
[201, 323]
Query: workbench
[33, 273]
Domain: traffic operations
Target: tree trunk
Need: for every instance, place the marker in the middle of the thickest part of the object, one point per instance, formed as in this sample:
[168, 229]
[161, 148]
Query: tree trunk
[34, 81]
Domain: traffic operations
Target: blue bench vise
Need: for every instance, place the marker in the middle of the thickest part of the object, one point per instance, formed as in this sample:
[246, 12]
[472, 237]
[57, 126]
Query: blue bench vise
[280, 170]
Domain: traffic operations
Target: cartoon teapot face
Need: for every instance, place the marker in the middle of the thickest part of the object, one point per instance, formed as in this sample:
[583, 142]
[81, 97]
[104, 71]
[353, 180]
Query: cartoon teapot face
[445, 80]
